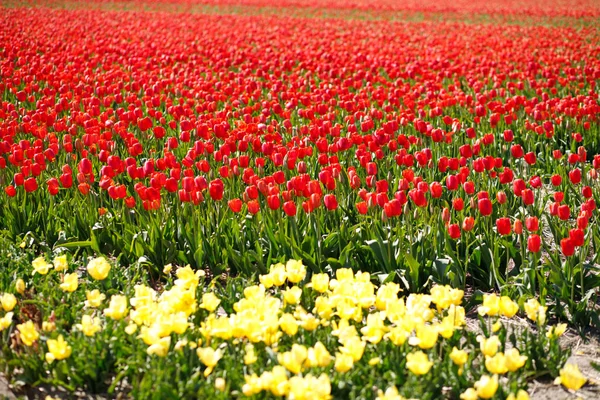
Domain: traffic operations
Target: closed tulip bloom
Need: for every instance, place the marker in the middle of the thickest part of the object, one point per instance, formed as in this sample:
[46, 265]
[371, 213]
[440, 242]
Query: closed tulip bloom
[567, 246]
[215, 189]
[454, 231]
[534, 243]
[564, 212]
[330, 202]
[574, 176]
[289, 207]
[503, 226]
[235, 205]
[253, 207]
[8, 301]
[459, 357]
[528, 197]
[485, 206]
[514, 360]
[532, 224]
[577, 236]
[487, 386]
[518, 227]
[98, 268]
[556, 180]
[468, 224]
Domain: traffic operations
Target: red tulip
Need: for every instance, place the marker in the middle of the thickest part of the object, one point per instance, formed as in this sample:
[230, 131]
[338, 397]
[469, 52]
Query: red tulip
[485, 207]
[274, 202]
[567, 247]
[330, 202]
[577, 237]
[458, 204]
[564, 212]
[503, 226]
[501, 197]
[586, 191]
[85, 166]
[454, 231]
[362, 207]
[469, 187]
[66, 180]
[289, 207]
[532, 224]
[215, 189]
[556, 180]
[518, 227]
[84, 188]
[582, 222]
[534, 243]
[468, 224]
[130, 202]
[52, 186]
[518, 186]
[530, 158]
[393, 208]
[30, 185]
[575, 176]
[19, 179]
[516, 151]
[451, 182]
[436, 190]
[253, 207]
[445, 215]
[235, 205]
[559, 196]
[10, 191]
[528, 197]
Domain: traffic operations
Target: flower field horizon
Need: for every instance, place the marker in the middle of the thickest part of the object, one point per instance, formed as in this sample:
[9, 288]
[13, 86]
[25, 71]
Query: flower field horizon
[256, 199]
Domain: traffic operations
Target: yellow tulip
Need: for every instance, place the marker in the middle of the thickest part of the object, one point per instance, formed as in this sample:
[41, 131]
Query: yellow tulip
[210, 302]
[489, 347]
[209, 357]
[459, 357]
[295, 271]
[521, 395]
[94, 298]
[496, 364]
[486, 387]
[343, 362]
[40, 266]
[514, 360]
[292, 295]
[20, 286]
[98, 268]
[70, 282]
[117, 308]
[28, 333]
[320, 282]
[418, 363]
[508, 308]
[6, 321]
[57, 349]
[89, 326]
[391, 393]
[8, 301]
[570, 377]
[60, 263]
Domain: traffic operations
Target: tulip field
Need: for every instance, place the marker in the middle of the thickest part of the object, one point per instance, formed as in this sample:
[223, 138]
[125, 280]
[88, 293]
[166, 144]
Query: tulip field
[293, 199]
